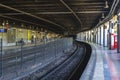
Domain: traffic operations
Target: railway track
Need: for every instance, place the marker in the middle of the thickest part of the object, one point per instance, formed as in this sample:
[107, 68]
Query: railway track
[72, 68]
[55, 69]
[77, 72]
[69, 69]
[12, 60]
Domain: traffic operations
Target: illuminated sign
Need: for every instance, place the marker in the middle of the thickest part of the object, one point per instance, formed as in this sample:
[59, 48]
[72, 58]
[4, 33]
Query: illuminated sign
[3, 30]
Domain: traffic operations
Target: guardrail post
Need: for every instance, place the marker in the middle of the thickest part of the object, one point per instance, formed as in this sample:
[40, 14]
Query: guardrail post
[35, 52]
[55, 48]
[35, 42]
[1, 57]
[16, 65]
[62, 45]
[21, 54]
[44, 49]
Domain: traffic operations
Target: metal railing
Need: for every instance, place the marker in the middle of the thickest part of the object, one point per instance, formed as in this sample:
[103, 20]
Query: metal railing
[0, 57]
[23, 59]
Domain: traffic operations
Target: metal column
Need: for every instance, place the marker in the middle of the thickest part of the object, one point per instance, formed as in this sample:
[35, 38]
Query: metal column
[90, 36]
[118, 35]
[94, 36]
[97, 36]
[100, 36]
[109, 36]
[104, 36]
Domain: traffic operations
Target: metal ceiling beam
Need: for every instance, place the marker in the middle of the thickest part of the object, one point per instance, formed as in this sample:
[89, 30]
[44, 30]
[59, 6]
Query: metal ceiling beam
[31, 23]
[26, 1]
[53, 5]
[86, 3]
[81, 12]
[17, 19]
[56, 7]
[14, 9]
[51, 1]
[71, 11]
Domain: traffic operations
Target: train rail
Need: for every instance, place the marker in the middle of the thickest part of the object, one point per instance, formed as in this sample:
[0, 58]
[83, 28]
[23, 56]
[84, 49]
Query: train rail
[77, 72]
[72, 68]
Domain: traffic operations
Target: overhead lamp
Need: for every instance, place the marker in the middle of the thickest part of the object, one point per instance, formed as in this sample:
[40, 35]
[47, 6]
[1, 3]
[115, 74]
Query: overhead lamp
[3, 23]
[36, 0]
[118, 14]
[13, 22]
[22, 25]
[7, 22]
[99, 20]
[30, 27]
[106, 4]
[20, 30]
[103, 15]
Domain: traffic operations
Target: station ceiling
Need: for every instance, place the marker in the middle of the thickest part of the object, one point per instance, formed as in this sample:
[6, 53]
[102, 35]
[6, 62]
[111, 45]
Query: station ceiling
[60, 16]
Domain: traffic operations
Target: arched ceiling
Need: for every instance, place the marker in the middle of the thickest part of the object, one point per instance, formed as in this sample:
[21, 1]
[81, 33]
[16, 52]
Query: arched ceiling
[60, 16]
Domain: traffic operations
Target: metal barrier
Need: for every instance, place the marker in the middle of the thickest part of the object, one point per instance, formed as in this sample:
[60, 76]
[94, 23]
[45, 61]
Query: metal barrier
[0, 57]
[24, 58]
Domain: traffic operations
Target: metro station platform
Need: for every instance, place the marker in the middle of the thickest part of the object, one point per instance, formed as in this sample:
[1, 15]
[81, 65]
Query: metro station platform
[103, 65]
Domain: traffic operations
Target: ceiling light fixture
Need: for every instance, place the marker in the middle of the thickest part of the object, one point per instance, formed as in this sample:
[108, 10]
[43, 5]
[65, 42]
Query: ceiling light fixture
[106, 4]
[7, 22]
[3, 23]
[103, 15]
[99, 20]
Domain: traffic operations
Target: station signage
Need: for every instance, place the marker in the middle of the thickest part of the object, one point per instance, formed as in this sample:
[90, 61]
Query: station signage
[3, 30]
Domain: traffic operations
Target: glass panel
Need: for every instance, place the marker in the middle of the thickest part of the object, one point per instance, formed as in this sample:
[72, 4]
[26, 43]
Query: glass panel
[11, 36]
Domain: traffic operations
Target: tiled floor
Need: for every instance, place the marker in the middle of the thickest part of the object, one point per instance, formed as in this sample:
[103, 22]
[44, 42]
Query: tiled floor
[107, 64]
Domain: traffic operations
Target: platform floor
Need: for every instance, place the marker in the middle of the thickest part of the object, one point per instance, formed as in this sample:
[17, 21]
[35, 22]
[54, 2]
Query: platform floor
[107, 63]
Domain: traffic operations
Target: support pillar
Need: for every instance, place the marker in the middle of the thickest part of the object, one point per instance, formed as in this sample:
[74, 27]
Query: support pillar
[118, 35]
[90, 35]
[94, 36]
[105, 36]
[109, 35]
[100, 36]
[97, 36]
[86, 35]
